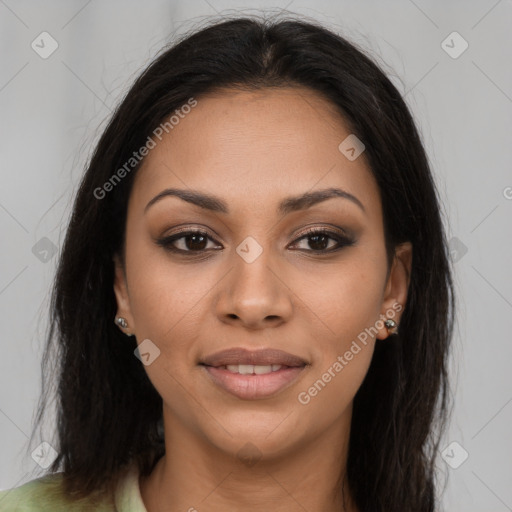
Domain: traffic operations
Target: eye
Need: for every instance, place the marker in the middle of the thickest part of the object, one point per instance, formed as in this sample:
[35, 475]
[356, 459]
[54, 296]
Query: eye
[318, 240]
[186, 241]
[196, 241]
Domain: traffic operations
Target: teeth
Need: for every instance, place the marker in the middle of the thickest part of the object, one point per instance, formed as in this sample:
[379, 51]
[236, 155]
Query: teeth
[245, 369]
[248, 369]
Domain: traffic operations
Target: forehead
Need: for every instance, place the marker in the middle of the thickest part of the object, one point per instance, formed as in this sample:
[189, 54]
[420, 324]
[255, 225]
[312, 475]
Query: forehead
[254, 147]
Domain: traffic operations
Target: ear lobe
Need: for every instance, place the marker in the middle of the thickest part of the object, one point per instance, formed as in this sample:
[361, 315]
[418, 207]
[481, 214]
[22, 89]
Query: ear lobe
[121, 292]
[397, 286]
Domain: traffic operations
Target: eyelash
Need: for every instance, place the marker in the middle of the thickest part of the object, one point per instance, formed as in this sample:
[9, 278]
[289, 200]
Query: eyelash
[342, 241]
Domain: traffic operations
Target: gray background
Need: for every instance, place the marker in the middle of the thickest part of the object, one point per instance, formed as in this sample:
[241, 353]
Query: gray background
[53, 110]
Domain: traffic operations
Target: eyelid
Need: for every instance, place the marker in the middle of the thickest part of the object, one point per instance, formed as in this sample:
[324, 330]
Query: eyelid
[327, 228]
[341, 237]
[199, 229]
[338, 234]
[167, 242]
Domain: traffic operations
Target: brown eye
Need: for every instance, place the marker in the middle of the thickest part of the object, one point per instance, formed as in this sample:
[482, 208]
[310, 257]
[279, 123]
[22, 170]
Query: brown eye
[320, 241]
[194, 241]
[186, 241]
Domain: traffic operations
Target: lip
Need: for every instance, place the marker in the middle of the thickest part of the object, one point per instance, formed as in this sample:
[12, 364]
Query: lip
[253, 387]
[241, 355]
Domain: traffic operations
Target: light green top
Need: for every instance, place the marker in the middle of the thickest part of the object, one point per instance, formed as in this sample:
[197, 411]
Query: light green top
[45, 495]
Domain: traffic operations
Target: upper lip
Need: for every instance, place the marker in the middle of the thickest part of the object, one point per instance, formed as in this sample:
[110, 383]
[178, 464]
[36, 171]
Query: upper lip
[262, 357]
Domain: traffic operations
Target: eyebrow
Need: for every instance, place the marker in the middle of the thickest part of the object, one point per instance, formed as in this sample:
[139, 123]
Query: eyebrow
[286, 206]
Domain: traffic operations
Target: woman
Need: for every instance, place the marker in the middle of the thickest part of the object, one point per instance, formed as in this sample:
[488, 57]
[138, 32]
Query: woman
[254, 304]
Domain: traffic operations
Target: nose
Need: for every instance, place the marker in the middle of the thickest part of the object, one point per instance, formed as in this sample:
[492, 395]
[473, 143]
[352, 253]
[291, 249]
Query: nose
[254, 295]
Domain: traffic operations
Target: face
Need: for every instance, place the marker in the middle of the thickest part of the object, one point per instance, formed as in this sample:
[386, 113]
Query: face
[262, 269]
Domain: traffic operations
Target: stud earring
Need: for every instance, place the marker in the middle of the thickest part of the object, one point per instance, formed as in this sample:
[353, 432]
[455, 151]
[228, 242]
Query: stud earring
[122, 322]
[391, 324]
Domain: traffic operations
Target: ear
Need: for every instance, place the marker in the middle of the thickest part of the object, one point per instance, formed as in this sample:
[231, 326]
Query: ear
[122, 297]
[397, 286]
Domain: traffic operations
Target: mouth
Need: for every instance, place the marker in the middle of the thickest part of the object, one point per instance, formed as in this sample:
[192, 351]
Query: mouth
[251, 375]
[251, 369]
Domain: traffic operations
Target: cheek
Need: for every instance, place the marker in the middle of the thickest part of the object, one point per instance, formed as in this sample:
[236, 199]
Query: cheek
[165, 303]
[165, 299]
[343, 314]
[344, 299]
[328, 395]
[350, 309]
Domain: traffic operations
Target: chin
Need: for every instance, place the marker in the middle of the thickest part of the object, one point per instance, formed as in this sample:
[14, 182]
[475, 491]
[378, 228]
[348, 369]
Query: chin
[271, 433]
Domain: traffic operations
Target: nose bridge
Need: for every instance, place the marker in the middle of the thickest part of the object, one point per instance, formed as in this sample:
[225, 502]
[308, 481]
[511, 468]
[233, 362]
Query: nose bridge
[252, 269]
[254, 292]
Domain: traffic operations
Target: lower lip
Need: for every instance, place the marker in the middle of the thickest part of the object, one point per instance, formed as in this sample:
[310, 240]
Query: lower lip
[252, 387]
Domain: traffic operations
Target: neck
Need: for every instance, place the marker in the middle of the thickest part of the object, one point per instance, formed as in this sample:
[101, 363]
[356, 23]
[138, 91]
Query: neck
[199, 476]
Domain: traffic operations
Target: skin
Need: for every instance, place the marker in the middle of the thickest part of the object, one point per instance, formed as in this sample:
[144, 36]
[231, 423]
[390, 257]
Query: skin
[253, 149]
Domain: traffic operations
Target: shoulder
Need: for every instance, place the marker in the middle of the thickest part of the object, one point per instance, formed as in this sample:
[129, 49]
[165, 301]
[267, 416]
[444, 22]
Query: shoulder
[46, 494]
